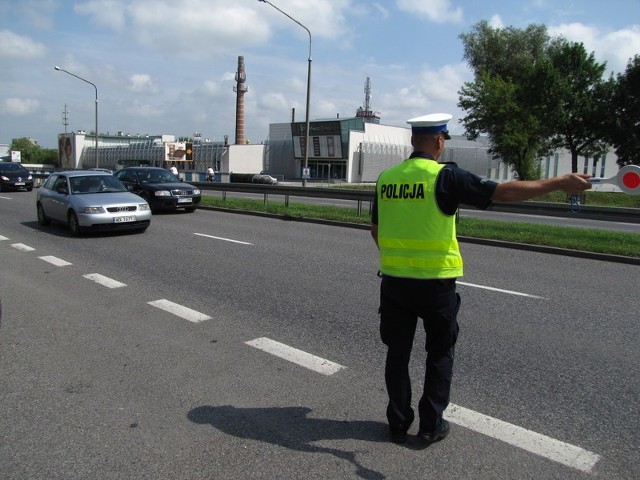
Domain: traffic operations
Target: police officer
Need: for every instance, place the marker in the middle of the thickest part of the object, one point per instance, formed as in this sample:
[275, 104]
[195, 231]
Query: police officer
[413, 225]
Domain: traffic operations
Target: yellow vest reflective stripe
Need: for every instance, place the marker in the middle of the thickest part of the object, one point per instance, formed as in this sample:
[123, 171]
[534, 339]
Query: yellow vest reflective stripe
[415, 238]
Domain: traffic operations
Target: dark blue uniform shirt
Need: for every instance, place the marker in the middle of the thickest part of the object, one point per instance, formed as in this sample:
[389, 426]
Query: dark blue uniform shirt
[454, 186]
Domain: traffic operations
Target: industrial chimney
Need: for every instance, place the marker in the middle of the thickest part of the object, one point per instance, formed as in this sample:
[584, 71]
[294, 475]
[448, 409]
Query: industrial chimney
[240, 90]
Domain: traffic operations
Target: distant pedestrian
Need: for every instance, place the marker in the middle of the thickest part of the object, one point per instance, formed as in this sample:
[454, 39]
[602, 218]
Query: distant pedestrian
[210, 174]
[174, 170]
[414, 226]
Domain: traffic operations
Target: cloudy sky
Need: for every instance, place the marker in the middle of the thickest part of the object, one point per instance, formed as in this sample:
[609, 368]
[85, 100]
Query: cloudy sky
[167, 66]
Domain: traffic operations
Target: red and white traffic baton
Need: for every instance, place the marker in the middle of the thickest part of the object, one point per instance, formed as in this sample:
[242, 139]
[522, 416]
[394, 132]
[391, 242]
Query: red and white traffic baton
[627, 179]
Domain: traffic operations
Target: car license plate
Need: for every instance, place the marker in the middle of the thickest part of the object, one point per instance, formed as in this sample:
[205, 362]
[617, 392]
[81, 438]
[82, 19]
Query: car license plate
[19, 183]
[184, 200]
[124, 219]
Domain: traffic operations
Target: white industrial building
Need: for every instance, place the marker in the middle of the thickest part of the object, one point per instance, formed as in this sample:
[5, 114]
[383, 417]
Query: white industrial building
[354, 150]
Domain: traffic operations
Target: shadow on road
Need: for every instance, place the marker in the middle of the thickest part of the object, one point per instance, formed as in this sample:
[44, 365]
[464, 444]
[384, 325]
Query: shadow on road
[290, 428]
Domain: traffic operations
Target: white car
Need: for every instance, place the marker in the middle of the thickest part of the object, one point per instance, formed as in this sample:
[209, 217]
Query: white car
[90, 201]
[264, 178]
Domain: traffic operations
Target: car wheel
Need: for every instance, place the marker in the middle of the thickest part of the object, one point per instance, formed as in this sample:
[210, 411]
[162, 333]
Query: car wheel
[74, 225]
[42, 218]
[29, 189]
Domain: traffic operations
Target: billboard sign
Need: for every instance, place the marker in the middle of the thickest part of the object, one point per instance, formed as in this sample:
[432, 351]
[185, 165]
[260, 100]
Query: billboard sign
[178, 152]
[324, 138]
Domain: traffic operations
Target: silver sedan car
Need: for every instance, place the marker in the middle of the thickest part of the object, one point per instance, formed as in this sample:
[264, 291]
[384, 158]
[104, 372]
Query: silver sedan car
[90, 201]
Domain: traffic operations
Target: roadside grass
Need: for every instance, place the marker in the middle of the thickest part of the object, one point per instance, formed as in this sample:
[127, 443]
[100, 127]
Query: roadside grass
[590, 240]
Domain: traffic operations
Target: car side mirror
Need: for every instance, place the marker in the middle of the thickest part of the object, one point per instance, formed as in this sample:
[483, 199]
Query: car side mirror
[130, 188]
[63, 191]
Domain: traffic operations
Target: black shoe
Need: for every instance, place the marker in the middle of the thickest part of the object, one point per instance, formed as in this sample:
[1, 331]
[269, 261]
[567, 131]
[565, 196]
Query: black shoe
[438, 434]
[398, 436]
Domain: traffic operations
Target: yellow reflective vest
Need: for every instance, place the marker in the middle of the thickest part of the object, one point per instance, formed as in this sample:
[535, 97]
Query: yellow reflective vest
[415, 238]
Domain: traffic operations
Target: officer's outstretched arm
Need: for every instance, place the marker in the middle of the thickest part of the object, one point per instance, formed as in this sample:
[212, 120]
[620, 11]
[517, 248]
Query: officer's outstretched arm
[518, 190]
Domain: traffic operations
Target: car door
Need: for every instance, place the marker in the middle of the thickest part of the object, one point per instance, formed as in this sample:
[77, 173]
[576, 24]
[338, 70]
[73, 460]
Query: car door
[130, 180]
[58, 199]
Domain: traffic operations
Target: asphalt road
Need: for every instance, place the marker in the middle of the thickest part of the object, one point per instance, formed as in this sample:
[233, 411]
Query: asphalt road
[160, 356]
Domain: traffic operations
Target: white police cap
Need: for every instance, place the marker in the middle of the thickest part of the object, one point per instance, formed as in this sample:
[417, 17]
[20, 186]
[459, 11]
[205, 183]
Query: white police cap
[433, 123]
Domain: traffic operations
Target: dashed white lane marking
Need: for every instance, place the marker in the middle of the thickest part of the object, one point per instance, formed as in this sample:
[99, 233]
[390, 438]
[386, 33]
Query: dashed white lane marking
[22, 247]
[510, 292]
[550, 448]
[6, 198]
[58, 262]
[180, 311]
[296, 356]
[105, 281]
[3, 238]
[223, 239]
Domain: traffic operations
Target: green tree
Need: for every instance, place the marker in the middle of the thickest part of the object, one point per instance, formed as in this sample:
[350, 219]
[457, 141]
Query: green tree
[504, 101]
[624, 131]
[31, 153]
[50, 156]
[577, 99]
[557, 96]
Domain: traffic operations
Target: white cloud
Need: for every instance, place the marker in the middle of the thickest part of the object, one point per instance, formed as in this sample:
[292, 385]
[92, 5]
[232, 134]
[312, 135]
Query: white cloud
[616, 48]
[210, 87]
[382, 11]
[196, 29]
[438, 11]
[109, 13]
[141, 82]
[38, 13]
[433, 91]
[496, 21]
[20, 106]
[137, 109]
[273, 102]
[13, 45]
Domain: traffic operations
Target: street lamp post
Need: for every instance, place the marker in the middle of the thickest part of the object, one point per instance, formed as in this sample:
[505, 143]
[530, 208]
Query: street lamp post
[306, 142]
[96, 88]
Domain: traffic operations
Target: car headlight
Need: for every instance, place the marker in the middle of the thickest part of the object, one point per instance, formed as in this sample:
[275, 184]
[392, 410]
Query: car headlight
[93, 210]
[143, 206]
[196, 191]
[30, 177]
[162, 193]
[4, 178]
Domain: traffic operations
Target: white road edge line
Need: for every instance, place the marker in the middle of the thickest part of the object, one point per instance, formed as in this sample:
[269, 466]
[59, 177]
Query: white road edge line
[3, 238]
[550, 448]
[58, 262]
[179, 310]
[296, 356]
[510, 292]
[222, 238]
[22, 247]
[105, 281]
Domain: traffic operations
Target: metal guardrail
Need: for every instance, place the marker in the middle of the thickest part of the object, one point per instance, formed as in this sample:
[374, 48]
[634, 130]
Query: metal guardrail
[592, 212]
[361, 197]
[288, 191]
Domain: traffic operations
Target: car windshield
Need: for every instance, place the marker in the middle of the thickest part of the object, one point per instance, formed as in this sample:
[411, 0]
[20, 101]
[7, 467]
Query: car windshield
[157, 176]
[96, 184]
[11, 167]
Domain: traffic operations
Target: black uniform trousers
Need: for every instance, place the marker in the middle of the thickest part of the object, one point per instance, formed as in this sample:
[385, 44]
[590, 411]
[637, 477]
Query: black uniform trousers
[402, 302]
